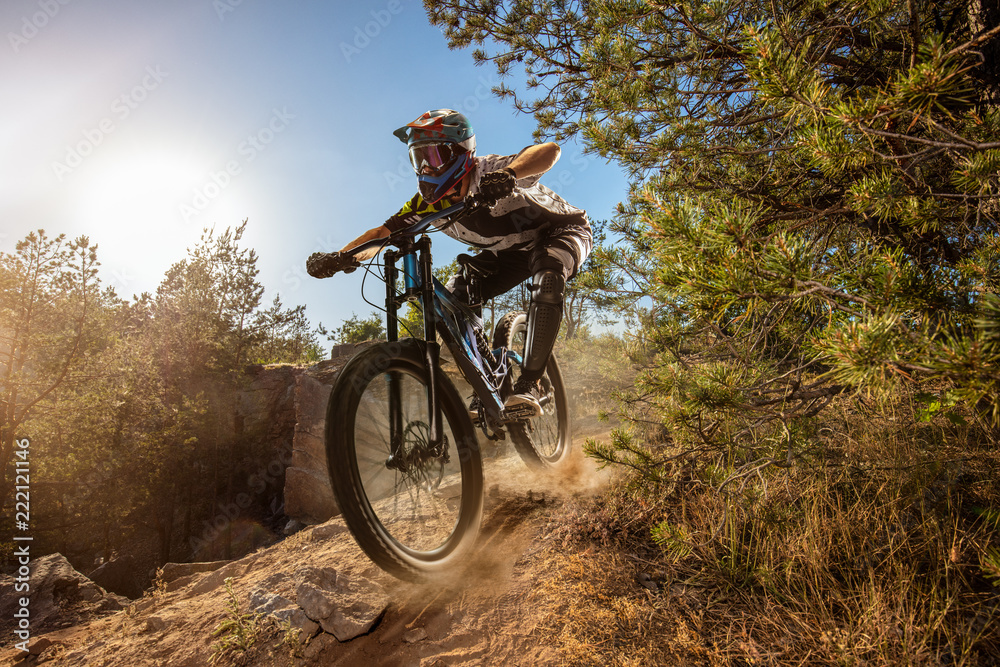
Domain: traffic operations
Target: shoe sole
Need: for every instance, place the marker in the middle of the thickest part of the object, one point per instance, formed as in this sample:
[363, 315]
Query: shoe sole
[516, 405]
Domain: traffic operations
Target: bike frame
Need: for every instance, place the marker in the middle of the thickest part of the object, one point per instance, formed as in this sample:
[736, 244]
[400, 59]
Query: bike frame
[459, 327]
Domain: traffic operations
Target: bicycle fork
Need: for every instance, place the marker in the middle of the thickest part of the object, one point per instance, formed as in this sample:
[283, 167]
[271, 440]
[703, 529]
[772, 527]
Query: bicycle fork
[418, 283]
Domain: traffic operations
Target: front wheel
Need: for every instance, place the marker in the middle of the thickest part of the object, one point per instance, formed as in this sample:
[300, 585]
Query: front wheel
[414, 508]
[544, 441]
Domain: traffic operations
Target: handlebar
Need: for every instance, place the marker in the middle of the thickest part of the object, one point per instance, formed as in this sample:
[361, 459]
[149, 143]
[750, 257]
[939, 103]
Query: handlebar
[414, 229]
[324, 265]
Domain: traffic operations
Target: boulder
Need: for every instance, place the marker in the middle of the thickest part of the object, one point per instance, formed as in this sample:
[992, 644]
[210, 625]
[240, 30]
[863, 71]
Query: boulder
[345, 607]
[120, 575]
[308, 495]
[60, 596]
[283, 610]
[39, 644]
[286, 407]
[171, 571]
[266, 408]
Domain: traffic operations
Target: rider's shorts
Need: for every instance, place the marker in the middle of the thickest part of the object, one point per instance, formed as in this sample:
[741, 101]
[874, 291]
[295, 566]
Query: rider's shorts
[564, 250]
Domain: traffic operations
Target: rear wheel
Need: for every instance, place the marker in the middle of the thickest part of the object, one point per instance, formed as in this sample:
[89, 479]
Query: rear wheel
[416, 511]
[543, 441]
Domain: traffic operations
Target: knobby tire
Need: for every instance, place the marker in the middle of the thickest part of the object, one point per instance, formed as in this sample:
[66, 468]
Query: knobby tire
[542, 442]
[417, 522]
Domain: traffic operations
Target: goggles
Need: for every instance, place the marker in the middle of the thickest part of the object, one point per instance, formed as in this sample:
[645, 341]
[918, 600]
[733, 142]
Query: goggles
[437, 157]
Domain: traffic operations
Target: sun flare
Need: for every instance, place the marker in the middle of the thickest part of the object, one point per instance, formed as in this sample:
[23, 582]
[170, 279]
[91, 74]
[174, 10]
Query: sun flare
[131, 205]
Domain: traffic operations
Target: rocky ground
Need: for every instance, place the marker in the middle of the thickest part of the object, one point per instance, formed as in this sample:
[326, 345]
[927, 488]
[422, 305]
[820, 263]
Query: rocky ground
[314, 598]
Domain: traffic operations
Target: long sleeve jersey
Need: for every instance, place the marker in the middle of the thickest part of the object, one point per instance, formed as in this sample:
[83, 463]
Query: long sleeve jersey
[516, 222]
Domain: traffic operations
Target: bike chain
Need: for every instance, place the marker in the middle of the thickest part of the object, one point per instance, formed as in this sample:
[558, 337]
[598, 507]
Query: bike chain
[484, 349]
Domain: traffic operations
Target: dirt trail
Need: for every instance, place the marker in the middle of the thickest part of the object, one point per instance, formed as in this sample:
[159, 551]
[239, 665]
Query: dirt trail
[491, 612]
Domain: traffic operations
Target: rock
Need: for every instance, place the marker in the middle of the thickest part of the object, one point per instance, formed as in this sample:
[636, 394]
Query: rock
[326, 531]
[119, 575]
[155, 624]
[90, 593]
[283, 610]
[311, 397]
[357, 612]
[214, 580]
[344, 607]
[293, 526]
[296, 618]
[646, 581]
[38, 645]
[171, 571]
[309, 496]
[60, 596]
[266, 408]
[180, 583]
[343, 350]
[139, 606]
[311, 591]
[274, 581]
[265, 413]
[317, 646]
[113, 603]
[415, 635]
[285, 406]
[267, 603]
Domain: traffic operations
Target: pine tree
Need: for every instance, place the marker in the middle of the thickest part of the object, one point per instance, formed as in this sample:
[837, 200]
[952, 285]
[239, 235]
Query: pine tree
[816, 186]
[49, 294]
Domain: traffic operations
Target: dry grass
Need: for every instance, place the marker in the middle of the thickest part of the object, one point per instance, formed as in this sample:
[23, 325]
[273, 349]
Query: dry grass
[875, 550]
[598, 615]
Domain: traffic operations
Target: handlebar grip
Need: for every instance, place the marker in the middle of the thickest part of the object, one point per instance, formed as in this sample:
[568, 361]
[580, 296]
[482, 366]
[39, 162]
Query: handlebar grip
[326, 264]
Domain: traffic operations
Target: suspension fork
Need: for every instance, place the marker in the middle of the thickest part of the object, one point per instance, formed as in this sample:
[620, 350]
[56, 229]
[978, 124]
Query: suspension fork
[392, 336]
[432, 348]
[418, 284]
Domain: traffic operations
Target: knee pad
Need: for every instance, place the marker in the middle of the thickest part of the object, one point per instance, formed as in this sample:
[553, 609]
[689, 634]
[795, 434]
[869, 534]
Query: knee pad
[548, 286]
[544, 318]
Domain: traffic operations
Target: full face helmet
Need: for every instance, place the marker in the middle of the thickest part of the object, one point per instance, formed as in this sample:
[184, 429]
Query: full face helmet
[442, 149]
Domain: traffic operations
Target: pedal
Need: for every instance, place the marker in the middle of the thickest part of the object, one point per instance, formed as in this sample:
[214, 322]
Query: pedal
[521, 411]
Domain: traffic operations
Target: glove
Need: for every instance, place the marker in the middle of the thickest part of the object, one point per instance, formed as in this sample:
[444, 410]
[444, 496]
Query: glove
[325, 264]
[496, 185]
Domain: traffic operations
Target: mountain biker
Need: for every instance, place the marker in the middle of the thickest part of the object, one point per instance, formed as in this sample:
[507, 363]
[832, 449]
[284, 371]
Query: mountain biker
[525, 230]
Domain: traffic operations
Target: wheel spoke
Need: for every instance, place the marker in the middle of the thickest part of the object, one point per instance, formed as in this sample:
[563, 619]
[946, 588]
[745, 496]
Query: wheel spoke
[402, 500]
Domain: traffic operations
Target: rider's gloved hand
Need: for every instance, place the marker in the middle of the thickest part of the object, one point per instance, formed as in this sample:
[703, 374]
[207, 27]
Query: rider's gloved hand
[496, 185]
[325, 264]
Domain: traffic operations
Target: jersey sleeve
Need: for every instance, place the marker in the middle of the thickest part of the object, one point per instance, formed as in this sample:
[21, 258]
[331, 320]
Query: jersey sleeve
[413, 211]
[488, 163]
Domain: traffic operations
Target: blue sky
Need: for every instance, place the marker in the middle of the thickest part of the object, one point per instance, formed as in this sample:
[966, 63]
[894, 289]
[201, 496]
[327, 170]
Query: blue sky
[140, 122]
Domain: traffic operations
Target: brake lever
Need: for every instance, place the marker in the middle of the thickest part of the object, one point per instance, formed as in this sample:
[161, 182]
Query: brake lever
[473, 204]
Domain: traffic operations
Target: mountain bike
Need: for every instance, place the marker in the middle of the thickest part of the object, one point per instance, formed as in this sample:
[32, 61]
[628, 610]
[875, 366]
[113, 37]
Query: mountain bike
[402, 445]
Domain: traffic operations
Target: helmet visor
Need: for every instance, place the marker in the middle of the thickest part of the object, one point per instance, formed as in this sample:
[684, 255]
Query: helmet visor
[435, 157]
